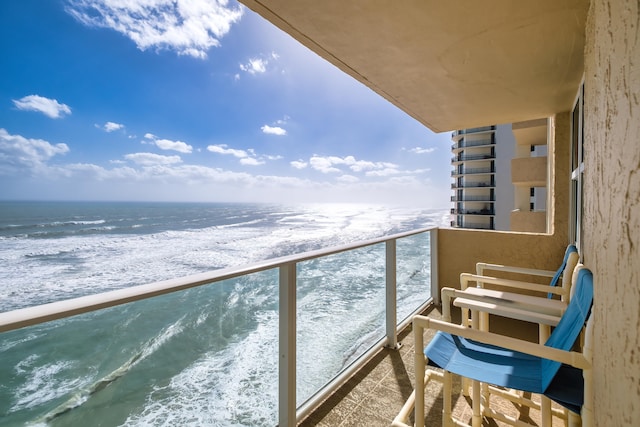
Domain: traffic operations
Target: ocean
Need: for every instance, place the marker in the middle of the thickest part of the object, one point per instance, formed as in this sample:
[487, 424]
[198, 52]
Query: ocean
[205, 356]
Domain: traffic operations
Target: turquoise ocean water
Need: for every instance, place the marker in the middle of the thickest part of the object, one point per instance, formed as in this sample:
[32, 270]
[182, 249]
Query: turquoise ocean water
[205, 356]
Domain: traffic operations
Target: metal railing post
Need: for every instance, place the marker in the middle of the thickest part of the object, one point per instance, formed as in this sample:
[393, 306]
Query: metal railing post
[391, 299]
[287, 346]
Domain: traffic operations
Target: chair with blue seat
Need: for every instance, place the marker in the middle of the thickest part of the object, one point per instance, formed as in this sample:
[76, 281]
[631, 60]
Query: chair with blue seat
[551, 369]
[518, 301]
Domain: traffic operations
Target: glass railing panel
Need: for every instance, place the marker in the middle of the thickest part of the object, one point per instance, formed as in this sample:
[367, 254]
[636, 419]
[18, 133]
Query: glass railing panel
[413, 273]
[203, 356]
[340, 314]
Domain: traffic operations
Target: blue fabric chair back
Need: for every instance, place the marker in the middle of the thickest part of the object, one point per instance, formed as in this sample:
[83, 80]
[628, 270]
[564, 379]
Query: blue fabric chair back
[554, 280]
[566, 333]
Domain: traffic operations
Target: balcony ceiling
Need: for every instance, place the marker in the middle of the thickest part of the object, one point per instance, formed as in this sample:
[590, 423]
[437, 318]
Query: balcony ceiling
[449, 64]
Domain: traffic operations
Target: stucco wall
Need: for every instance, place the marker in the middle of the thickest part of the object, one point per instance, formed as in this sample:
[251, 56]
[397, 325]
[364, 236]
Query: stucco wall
[612, 205]
[529, 171]
[529, 221]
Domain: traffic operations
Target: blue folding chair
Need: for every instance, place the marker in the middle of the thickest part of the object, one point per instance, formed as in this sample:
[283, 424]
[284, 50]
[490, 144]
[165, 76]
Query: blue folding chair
[551, 369]
[479, 301]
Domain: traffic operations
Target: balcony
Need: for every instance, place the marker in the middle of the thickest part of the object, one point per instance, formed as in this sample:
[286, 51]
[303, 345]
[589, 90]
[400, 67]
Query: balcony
[455, 185]
[369, 390]
[482, 198]
[470, 157]
[472, 130]
[394, 284]
[473, 171]
[464, 143]
[529, 171]
[483, 211]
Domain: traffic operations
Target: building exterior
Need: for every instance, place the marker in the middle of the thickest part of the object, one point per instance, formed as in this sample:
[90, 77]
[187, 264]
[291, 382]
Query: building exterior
[575, 61]
[500, 177]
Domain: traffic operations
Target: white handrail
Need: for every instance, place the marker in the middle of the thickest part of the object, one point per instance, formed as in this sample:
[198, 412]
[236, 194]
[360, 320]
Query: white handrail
[29, 316]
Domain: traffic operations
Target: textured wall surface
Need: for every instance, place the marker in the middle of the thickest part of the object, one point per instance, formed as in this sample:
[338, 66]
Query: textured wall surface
[612, 205]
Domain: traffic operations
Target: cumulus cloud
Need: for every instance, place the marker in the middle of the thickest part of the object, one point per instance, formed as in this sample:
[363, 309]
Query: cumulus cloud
[223, 149]
[167, 144]
[18, 153]
[251, 161]
[151, 159]
[421, 150]
[111, 127]
[275, 130]
[299, 164]
[324, 164]
[186, 27]
[49, 107]
[247, 157]
[328, 164]
[257, 65]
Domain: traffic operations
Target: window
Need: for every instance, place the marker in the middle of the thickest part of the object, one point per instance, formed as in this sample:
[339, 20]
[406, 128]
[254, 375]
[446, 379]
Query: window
[577, 170]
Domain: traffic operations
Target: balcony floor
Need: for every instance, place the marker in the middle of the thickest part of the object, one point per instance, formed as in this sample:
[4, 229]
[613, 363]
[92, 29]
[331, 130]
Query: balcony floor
[375, 394]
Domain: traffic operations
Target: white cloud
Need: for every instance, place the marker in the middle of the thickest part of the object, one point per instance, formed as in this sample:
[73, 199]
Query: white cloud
[328, 164]
[18, 153]
[383, 172]
[222, 149]
[299, 164]
[323, 164]
[420, 150]
[247, 157]
[49, 107]
[251, 161]
[187, 27]
[178, 146]
[112, 127]
[276, 130]
[167, 144]
[255, 66]
[150, 159]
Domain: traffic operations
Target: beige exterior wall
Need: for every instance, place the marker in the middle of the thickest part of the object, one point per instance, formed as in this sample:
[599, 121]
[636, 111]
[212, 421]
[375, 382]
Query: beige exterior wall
[612, 205]
[529, 171]
[535, 222]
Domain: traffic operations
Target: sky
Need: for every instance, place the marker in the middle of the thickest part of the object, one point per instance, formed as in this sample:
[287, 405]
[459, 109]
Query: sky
[201, 100]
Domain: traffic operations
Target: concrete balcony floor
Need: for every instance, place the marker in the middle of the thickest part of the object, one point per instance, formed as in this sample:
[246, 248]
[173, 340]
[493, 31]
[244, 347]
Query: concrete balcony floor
[375, 394]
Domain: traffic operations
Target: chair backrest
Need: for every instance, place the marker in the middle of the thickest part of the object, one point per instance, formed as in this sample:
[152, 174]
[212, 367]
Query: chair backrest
[568, 330]
[568, 264]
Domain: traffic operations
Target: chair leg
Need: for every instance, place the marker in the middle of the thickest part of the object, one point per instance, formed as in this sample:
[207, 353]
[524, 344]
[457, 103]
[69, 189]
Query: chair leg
[545, 411]
[447, 419]
[476, 417]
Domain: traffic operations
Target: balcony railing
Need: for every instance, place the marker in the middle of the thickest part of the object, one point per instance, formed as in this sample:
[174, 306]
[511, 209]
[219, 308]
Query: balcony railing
[291, 279]
[473, 225]
[470, 171]
[455, 211]
[486, 198]
[473, 130]
[455, 185]
[464, 143]
[468, 157]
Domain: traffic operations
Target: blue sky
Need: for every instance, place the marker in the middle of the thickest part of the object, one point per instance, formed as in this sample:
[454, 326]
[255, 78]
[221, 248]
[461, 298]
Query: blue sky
[195, 101]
